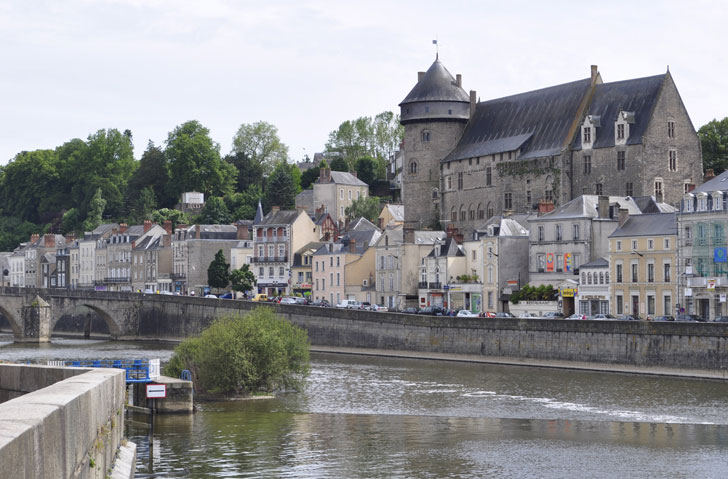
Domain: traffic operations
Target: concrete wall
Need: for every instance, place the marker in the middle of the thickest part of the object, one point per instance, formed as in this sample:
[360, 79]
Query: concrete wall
[62, 422]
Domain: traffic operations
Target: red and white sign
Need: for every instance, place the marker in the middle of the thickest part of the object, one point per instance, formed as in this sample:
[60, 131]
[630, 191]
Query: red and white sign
[156, 391]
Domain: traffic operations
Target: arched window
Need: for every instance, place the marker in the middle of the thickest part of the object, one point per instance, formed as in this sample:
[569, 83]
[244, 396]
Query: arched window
[471, 213]
[589, 278]
[490, 211]
[583, 278]
[601, 278]
[481, 213]
[453, 214]
[413, 168]
[425, 135]
[462, 213]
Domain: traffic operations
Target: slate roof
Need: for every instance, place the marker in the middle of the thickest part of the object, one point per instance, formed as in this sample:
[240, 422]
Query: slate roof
[342, 178]
[210, 232]
[538, 122]
[363, 224]
[636, 96]
[437, 85]
[648, 204]
[397, 212]
[585, 206]
[656, 224]
[281, 217]
[719, 183]
[297, 256]
[449, 248]
[597, 263]
[428, 237]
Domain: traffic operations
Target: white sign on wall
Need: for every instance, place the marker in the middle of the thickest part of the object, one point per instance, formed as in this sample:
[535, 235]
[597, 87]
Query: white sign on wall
[722, 298]
[156, 391]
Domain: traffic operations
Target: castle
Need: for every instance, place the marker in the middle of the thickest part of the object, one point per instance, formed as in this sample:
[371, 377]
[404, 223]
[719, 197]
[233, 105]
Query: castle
[466, 160]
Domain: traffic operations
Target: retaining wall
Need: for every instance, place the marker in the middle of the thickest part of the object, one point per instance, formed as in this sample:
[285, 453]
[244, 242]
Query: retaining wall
[61, 422]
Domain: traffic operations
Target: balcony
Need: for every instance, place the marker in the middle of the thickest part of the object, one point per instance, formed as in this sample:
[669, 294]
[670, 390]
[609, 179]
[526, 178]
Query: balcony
[434, 285]
[125, 279]
[271, 239]
[422, 285]
[178, 276]
[703, 282]
[269, 259]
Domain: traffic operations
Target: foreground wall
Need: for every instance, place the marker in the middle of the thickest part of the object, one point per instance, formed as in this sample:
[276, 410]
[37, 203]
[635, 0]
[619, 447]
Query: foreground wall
[61, 422]
[677, 345]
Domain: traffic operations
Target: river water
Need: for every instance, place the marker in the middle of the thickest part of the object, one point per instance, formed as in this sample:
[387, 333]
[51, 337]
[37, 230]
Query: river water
[363, 417]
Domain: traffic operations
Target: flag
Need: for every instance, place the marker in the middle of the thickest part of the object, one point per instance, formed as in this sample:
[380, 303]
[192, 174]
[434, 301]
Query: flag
[434, 42]
[720, 256]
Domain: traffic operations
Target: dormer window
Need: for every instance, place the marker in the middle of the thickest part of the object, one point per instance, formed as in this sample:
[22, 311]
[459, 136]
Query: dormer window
[587, 135]
[620, 131]
[589, 130]
[621, 127]
[702, 202]
[688, 203]
[717, 201]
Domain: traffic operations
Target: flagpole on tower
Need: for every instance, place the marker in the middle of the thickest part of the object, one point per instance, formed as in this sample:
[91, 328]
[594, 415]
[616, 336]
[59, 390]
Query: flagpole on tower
[437, 48]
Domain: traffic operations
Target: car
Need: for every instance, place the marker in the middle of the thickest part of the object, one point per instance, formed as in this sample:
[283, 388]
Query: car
[662, 318]
[410, 310]
[577, 316]
[690, 318]
[527, 315]
[301, 300]
[366, 305]
[376, 307]
[227, 296]
[465, 313]
[503, 314]
[288, 300]
[210, 296]
[720, 319]
[148, 291]
[603, 317]
[322, 303]
[168, 293]
[432, 311]
[260, 297]
[349, 304]
[553, 315]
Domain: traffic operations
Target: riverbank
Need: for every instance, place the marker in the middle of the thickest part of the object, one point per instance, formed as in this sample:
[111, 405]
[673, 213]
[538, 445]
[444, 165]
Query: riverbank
[718, 375]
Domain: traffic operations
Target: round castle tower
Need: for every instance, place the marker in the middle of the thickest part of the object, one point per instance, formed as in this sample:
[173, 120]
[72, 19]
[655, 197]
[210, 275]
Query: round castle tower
[434, 115]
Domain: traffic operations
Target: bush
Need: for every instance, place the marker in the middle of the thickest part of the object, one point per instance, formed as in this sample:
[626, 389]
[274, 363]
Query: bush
[244, 354]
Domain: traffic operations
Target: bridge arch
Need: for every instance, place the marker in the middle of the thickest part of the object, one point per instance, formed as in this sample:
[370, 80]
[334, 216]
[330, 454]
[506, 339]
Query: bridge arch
[114, 329]
[15, 325]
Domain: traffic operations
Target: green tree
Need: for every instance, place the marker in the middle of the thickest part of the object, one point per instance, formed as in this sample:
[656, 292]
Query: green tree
[250, 173]
[339, 164]
[378, 137]
[152, 171]
[177, 217]
[366, 206]
[261, 352]
[242, 206]
[309, 177]
[215, 212]
[95, 211]
[714, 143]
[366, 169]
[281, 189]
[14, 231]
[259, 142]
[29, 186]
[195, 164]
[144, 205]
[218, 275]
[242, 279]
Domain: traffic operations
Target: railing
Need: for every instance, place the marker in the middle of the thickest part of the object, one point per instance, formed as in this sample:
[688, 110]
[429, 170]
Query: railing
[271, 239]
[177, 276]
[269, 259]
[422, 285]
[125, 279]
[137, 370]
[435, 285]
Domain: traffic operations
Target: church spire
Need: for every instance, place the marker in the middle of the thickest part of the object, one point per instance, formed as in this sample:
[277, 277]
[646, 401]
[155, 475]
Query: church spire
[258, 214]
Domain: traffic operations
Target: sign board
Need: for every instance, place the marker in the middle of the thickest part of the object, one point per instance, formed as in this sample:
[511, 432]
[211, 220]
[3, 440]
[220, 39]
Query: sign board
[711, 284]
[688, 291]
[513, 283]
[568, 293]
[722, 298]
[156, 391]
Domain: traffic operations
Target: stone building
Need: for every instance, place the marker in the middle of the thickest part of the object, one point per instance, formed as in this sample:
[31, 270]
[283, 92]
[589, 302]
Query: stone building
[466, 160]
[333, 190]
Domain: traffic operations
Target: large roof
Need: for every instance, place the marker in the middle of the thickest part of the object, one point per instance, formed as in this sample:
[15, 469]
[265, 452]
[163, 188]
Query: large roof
[719, 183]
[538, 122]
[397, 211]
[637, 96]
[586, 206]
[437, 85]
[449, 248]
[597, 263]
[281, 217]
[656, 224]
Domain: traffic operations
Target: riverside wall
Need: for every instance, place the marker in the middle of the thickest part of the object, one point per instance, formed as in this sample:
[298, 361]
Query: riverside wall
[62, 422]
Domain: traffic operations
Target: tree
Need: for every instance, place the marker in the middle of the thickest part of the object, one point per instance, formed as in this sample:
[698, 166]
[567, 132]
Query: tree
[217, 273]
[95, 211]
[339, 164]
[242, 279]
[195, 164]
[30, 186]
[366, 169]
[261, 352]
[714, 143]
[281, 189]
[242, 206]
[379, 138]
[143, 206]
[215, 212]
[177, 217]
[152, 171]
[309, 177]
[366, 206]
[260, 143]
[250, 173]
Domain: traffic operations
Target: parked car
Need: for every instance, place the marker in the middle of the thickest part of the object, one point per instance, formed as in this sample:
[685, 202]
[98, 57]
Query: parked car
[349, 304]
[376, 307]
[288, 300]
[260, 297]
[210, 296]
[148, 291]
[432, 311]
[465, 313]
[720, 319]
[603, 317]
[366, 305]
[322, 303]
[691, 318]
[504, 315]
[578, 316]
[663, 318]
[527, 315]
[227, 296]
[302, 300]
[553, 315]
[410, 310]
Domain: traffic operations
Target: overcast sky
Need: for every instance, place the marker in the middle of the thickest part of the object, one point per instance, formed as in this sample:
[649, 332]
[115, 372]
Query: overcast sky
[71, 67]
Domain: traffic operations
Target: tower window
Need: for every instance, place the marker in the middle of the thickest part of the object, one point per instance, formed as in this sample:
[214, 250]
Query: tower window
[413, 168]
[427, 109]
[620, 160]
[671, 129]
[460, 181]
[488, 176]
[587, 164]
[672, 155]
[425, 136]
[508, 201]
[598, 189]
[628, 189]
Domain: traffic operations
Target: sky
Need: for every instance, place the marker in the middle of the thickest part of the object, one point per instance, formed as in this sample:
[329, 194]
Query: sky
[69, 68]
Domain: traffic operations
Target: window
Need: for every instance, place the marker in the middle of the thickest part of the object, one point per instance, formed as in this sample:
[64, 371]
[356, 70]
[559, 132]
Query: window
[598, 189]
[528, 197]
[588, 278]
[650, 273]
[628, 189]
[635, 276]
[449, 182]
[670, 134]
[541, 263]
[460, 181]
[462, 213]
[323, 283]
[667, 304]
[587, 134]
[601, 278]
[549, 195]
[490, 211]
[540, 233]
[559, 263]
[650, 244]
[634, 245]
[425, 136]
[667, 243]
[558, 233]
[341, 194]
[481, 213]
[620, 304]
[620, 159]
[666, 272]
[619, 245]
[271, 271]
[658, 190]
[672, 160]
[587, 164]
[575, 228]
[413, 168]
[620, 131]
[454, 215]
[650, 304]
[507, 201]
[349, 194]
[338, 279]
[488, 176]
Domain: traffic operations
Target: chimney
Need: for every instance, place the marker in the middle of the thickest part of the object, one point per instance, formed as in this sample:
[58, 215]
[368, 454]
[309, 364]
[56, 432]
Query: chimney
[197, 231]
[459, 80]
[114, 231]
[70, 238]
[409, 235]
[147, 225]
[594, 73]
[354, 173]
[545, 206]
[623, 216]
[167, 241]
[352, 245]
[473, 103]
[603, 206]
[691, 187]
[708, 175]
[242, 233]
[324, 175]
[123, 227]
[34, 237]
[275, 209]
[49, 241]
[420, 76]
[167, 225]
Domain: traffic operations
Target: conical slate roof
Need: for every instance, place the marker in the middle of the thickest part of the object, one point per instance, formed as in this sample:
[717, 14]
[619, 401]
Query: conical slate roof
[437, 85]
[258, 214]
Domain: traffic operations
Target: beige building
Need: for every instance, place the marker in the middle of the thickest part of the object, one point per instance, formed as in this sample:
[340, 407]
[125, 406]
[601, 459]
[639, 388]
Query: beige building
[328, 272]
[302, 269]
[338, 190]
[643, 259]
[391, 215]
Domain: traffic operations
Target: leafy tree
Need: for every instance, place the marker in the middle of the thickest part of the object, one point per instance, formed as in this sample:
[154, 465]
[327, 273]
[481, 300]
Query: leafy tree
[295, 176]
[388, 135]
[30, 184]
[309, 177]
[261, 351]
[366, 169]
[242, 279]
[144, 205]
[14, 231]
[378, 137]
[714, 143]
[195, 164]
[242, 206]
[177, 217]
[259, 142]
[366, 206]
[339, 164]
[215, 212]
[250, 173]
[218, 275]
[152, 171]
[95, 211]
[281, 189]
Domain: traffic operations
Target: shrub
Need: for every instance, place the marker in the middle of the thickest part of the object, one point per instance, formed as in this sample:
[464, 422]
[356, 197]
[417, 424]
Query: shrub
[244, 354]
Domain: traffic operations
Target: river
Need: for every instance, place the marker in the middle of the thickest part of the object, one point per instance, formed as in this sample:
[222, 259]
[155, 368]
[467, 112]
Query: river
[362, 417]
